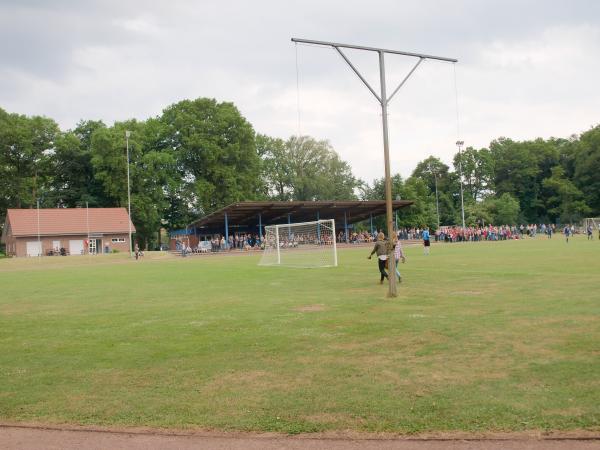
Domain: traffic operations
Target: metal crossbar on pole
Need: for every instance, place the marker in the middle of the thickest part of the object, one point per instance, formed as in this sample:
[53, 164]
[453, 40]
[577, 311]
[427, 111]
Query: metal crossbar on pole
[383, 100]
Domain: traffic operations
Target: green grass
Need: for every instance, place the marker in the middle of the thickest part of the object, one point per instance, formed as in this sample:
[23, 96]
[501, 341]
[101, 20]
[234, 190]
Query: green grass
[486, 336]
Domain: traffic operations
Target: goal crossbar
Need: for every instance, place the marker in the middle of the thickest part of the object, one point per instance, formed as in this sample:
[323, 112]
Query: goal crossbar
[301, 244]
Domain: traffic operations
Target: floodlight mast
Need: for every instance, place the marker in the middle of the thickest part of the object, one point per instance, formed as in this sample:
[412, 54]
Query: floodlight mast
[383, 100]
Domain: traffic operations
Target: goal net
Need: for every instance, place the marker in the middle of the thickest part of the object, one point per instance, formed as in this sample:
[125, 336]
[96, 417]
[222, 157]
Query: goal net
[307, 244]
[593, 222]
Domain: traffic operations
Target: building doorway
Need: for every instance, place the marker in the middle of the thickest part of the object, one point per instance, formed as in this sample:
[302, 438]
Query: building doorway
[94, 246]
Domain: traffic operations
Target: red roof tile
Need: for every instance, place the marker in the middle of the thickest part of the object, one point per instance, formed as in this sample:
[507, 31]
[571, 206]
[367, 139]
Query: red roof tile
[60, 221]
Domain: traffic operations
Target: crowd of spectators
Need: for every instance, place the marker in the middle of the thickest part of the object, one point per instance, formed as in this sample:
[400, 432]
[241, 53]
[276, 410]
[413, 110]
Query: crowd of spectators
[218, 243]
[460, 234]
[250, 241]
[494, 233]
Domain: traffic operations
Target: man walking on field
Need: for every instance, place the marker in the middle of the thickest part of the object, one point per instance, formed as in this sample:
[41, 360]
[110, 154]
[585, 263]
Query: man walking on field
[381, 250]
[567, 232]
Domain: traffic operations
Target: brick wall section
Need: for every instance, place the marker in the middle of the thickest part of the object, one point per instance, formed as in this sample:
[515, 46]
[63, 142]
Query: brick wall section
[66, 224]
[18, 246]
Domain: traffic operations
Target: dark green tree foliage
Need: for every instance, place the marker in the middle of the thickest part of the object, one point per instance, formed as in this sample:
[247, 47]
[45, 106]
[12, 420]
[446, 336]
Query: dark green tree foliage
[431, 169]
[520, 168]
[586, 174]
[503, 210]
[200, 155]
[275, 167]
[73, 178]
[215, 150]
[152, 172]
[564, 201]
[477, 170]
[421, 213]
[26, 148]
[303, 168]
[317, 171]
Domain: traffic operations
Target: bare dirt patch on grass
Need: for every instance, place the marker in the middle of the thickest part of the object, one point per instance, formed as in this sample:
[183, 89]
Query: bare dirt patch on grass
[310, 308]
[469, 293]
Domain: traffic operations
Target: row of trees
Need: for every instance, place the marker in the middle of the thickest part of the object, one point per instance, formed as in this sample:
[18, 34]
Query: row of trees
[200, 155]
[554, 180]
[196, 157]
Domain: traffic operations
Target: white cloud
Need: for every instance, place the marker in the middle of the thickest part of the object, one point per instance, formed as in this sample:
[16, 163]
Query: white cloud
[526, 69]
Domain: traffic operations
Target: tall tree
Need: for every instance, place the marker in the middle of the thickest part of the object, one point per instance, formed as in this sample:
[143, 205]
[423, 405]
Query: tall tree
[421, 213]
[587, 168]
[276, 171]
[74, 182]
[565, 201]
[477, 170]
[26, 146]
[152, 171]
[215, 151]
[431, 169]
[317, 172]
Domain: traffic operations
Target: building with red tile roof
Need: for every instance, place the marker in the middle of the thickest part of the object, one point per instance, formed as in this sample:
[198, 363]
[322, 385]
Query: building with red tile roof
[66, 231]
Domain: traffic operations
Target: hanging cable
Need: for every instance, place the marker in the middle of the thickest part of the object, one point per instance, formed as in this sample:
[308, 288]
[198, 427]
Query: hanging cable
[298, 92]
[456, 103]
[459, 143]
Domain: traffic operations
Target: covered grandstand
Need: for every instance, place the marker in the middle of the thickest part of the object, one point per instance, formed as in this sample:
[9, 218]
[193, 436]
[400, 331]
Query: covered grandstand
[251, 217]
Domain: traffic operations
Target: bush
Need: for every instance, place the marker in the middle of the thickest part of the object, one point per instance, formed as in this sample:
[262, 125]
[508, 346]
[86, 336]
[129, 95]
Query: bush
[114, 250]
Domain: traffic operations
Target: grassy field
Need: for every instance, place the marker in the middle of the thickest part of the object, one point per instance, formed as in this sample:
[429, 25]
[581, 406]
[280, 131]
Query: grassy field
[486, 336]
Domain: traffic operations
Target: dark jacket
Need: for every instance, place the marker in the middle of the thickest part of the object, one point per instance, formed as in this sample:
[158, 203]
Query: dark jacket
[380, 248]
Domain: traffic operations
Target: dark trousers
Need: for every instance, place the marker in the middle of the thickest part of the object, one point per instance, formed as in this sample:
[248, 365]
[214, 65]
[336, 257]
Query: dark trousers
[382, 271]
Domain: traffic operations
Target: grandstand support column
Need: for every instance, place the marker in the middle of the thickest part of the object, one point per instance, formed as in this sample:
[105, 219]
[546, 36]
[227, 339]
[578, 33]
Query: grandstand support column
[346, 226]
[289, 227]
[319, 227]
[226, 230]
[371, 220]
[260, 233]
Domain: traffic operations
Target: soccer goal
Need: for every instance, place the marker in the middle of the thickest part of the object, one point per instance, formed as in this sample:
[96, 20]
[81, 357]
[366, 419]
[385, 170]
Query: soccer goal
[594, 222]
[306, 244]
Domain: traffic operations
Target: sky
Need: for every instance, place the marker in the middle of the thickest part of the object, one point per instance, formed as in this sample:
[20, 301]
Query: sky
[526, 69]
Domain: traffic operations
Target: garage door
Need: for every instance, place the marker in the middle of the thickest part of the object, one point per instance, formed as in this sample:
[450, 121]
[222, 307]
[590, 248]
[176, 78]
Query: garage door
[34, 248]
[76, 247]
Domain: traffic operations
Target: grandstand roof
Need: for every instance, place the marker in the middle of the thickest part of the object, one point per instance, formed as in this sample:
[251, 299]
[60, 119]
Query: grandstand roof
[246, 213]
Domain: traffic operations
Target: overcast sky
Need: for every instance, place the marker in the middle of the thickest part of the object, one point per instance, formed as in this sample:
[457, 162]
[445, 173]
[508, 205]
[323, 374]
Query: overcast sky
[526, 69]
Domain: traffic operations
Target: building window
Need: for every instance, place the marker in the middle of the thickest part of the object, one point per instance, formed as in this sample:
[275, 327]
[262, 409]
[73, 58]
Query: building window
[117, 240]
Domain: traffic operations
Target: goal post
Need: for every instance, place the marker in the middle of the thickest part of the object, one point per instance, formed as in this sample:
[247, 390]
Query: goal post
[593, 222]
[305, 244]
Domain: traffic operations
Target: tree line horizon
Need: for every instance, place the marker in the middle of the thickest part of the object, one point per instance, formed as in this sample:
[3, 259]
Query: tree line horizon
[200, 155]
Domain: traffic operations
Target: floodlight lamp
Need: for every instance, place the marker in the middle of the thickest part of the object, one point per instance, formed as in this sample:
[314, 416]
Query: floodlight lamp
[459, 143]
[127, 133]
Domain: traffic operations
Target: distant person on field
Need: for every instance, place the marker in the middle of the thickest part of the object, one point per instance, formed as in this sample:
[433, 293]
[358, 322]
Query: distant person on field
[381, 250]
[137, 251]
[567, 233]
[426, 241]
[589, 233]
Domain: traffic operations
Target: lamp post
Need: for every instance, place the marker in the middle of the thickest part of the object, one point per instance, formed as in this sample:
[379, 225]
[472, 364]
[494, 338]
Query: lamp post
[38, 229]
[462, 202]
[437, 202]
[127, 134]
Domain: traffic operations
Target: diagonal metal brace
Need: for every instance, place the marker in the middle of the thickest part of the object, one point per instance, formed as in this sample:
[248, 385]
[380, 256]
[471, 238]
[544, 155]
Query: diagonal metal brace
[406, 78]
[358, 73]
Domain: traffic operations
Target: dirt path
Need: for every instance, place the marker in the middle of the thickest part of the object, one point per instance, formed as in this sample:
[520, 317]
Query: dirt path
[13, 437]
